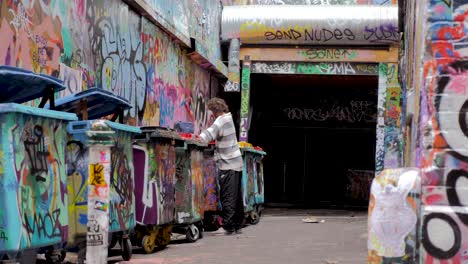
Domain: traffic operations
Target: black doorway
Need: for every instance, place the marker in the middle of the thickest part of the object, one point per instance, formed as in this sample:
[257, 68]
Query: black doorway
[319, 132]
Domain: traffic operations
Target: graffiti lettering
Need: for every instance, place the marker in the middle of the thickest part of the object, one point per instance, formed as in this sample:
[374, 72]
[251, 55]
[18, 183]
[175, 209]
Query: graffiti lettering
[383, 33]
[245, 104]
[121, 175]
[342, 68]
[330, 54]
[72, 79]
[438, 223]
[21, 21]
[36, 149]
[44, 225]
[322, 35]
[357, 111]
[3, 236]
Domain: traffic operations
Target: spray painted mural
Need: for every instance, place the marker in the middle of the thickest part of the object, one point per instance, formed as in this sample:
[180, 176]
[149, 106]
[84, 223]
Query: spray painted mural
[389, 146]
[442, 151]
[33, 203]
[103, 43]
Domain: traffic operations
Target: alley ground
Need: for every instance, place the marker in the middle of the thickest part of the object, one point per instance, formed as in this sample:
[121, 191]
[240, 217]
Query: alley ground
[280, 238]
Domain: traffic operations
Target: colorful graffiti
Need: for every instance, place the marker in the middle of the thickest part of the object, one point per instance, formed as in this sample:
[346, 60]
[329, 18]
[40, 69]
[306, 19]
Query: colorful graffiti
[211, 190]
[105, 44]
[389, 146]
[338, 68]
[122, 205]
[252, 179]
[198, 199]
[155, 168]
[310, 2]
[77, 160]
[245, 102]
[248, 182]
[393, 216]
[442, 151]
[183, 187]
[33, 207]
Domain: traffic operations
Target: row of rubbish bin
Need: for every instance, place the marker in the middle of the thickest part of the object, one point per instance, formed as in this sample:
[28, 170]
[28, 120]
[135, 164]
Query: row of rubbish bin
[159, 181]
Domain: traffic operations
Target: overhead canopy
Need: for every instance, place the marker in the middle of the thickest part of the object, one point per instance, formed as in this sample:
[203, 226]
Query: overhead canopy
[311, 25]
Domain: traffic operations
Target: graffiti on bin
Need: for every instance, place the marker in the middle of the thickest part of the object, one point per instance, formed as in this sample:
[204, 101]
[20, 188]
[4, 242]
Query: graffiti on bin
[32, 182]
[122, 205]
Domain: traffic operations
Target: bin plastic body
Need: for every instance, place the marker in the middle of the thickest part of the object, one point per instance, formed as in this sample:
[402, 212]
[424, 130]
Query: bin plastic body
[252, 179]
[33, 194]
[189, 186]
[121, 206]
[155, 172]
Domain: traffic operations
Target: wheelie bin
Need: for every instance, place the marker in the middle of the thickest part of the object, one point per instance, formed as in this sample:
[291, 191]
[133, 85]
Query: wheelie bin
[252, 182]
[189, 189]
[155, 176]
[33, 200]
[90, 105]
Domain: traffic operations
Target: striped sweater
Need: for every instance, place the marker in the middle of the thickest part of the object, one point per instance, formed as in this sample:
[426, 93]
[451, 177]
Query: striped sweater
[227, 153]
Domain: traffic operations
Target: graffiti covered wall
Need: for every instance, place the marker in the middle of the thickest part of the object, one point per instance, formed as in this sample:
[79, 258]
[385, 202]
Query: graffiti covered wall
[104, 43]
[310, 2]
[442, 143]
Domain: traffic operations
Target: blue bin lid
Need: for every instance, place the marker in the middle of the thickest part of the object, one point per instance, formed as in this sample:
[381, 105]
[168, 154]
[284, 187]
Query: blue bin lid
[99, 102]
[20, 86]
[34, 111]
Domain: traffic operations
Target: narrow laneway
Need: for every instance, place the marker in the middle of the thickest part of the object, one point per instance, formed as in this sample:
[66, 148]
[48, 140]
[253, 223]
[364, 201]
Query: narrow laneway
[281, 237]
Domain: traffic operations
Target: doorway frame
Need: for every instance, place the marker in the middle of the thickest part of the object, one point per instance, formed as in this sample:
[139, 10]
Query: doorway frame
[307, 60]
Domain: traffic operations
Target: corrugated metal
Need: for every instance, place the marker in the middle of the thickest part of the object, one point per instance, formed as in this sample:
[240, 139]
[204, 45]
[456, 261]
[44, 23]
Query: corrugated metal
[310, 25]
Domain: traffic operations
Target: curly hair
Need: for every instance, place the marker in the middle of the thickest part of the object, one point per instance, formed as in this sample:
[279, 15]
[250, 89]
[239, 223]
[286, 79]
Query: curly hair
[217, 105]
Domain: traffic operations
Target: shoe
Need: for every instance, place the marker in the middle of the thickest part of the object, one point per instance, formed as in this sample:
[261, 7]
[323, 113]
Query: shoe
[228, 232]
[238, 231]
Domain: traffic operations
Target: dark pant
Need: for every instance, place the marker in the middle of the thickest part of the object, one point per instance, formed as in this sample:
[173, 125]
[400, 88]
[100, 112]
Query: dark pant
[231, 199]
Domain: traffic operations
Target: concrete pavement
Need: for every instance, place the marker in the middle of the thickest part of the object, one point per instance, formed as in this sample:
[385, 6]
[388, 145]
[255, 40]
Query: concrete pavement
[280, 237]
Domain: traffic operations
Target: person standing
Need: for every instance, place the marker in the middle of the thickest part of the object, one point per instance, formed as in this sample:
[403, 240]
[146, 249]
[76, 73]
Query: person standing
[230, 163]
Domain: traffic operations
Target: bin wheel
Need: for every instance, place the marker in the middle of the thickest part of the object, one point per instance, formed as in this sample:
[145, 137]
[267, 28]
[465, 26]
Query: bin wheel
[200, 230]
[126, 249]
[113, 241]
[82, 255]
[193, 233]
[148, 244]
[163, 238]
[254, 217]
[55, 256]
